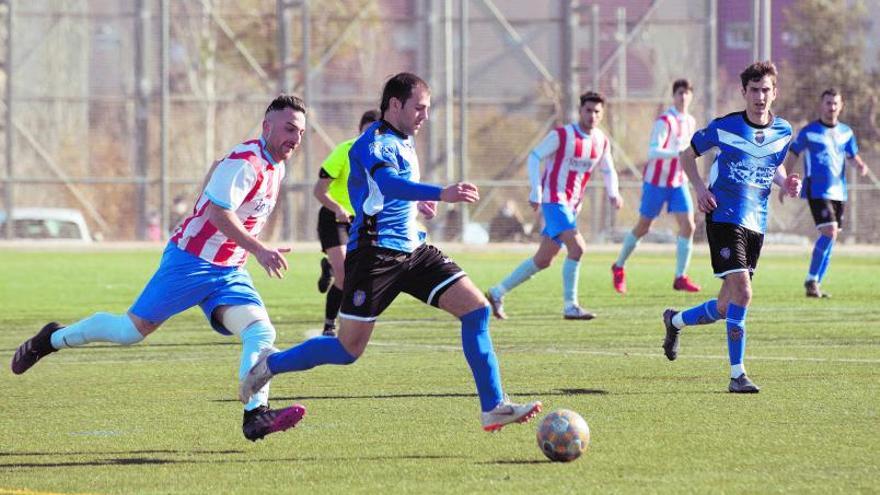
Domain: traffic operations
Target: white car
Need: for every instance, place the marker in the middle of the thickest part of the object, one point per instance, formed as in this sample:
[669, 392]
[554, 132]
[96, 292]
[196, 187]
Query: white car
[47, 224]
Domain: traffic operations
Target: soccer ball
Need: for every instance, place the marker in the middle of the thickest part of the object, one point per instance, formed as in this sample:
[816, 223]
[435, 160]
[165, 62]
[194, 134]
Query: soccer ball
[563, 435]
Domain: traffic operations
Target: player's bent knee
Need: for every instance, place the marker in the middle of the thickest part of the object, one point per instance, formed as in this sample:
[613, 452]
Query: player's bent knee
[238, 318]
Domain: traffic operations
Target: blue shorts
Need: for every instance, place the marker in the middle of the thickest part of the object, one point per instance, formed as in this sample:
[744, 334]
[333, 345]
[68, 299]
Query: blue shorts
[184, 280]
[678, 200]
[557, 219]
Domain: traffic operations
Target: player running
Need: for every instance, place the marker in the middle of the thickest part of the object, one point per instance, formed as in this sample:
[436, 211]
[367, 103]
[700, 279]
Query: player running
[203, 265]
[751, 148]
[570, 155]
[666, 182]
[828, 143]
[334, 220]
[387, 255]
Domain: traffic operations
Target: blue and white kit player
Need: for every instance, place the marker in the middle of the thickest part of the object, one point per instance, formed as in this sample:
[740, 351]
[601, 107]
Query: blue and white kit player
[387, 255]
[825, 144]
[751, 148]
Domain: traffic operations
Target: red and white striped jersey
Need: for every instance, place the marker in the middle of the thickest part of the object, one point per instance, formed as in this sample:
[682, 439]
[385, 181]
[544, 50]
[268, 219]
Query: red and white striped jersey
[570, 156]
[671, 134]
[246, 182]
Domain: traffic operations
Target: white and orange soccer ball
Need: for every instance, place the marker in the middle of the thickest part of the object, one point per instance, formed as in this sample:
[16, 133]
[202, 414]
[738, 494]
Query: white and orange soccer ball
[563, 435]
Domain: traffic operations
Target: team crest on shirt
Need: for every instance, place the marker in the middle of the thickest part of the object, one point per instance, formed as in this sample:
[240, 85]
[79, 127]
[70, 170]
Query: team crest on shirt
[725, 253]
[359, 297]
[759, 137]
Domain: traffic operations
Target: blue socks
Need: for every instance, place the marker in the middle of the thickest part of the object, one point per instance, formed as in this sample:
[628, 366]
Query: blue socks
[826, 261]
[100, 327]
[683, 248]
[630, 242]
[821, 255]
[699, 315]
[520, 274]
[736, 338]
[256, 337]
[477, 345]
[570, 271]
[305, 356]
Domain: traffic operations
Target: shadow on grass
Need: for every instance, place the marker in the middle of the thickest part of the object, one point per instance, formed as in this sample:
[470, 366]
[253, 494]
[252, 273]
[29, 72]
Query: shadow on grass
[138, 461]
[124, 452]
[442, 395]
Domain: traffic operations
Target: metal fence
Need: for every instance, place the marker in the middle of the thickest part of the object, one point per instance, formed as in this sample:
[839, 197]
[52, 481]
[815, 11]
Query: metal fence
[117, 108]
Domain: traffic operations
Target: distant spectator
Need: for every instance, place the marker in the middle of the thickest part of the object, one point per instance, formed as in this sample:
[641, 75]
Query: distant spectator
[507, 224]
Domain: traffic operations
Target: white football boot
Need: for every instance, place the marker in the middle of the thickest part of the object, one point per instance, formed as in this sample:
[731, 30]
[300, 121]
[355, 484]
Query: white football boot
[508, 412]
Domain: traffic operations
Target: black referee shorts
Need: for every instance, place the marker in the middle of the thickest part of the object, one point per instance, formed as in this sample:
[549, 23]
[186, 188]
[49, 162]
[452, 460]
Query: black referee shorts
[330, 232]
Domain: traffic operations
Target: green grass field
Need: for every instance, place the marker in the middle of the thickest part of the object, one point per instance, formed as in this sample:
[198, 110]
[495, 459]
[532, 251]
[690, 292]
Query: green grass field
[161, 416]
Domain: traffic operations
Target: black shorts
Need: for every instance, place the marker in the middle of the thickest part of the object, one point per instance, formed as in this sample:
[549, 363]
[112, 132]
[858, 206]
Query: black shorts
[330, 232]
[827, 211]
[374, 276]
[733, 248]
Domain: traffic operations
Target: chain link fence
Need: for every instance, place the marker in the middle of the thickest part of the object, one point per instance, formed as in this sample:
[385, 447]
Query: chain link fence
[117, 108]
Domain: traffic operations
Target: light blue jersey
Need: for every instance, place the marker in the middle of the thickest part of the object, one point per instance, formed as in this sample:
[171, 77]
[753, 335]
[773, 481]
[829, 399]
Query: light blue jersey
[827, 148]
[742, 173]
[380, 220]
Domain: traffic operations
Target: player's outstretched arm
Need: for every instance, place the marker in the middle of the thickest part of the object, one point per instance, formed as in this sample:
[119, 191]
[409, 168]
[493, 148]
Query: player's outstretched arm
[394, 186]
[272, 260]
[461, 192]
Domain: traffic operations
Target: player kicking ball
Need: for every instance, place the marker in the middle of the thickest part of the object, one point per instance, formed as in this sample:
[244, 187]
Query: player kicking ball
[203, 265]
[387, 255]
[751, 148]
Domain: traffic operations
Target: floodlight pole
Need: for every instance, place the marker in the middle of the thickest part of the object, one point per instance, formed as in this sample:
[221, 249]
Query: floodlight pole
[164, 106]
[8, 197]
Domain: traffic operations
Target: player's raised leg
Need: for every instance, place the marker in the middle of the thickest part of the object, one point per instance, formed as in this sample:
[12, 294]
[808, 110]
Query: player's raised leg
[100, 327]
[465, 301]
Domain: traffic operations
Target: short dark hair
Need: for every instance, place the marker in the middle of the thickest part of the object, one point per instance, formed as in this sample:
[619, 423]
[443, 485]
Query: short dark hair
[283, 101]
[400, 86]
[758, 71]
[682, 83]
[368, 117]
[592, 96]
[831, 92]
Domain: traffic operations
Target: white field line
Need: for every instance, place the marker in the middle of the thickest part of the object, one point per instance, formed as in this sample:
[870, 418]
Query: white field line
[624, 353]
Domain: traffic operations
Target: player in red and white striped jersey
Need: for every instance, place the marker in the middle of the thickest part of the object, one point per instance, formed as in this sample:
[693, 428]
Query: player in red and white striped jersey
[247, 181]
[203, 266]
[665, 182]
[570, 154]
